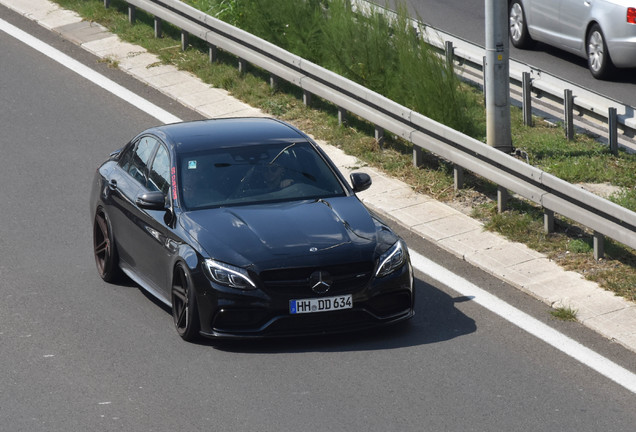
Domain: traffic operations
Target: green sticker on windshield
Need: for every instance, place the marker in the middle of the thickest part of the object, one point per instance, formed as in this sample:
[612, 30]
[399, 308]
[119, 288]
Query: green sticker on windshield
[192, 164]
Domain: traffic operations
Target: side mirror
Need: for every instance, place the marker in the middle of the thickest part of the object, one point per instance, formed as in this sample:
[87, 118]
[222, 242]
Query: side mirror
[360, 181]
[152, 201]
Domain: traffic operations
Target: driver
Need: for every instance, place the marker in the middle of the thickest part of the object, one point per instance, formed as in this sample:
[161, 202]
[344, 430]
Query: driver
[275, 178]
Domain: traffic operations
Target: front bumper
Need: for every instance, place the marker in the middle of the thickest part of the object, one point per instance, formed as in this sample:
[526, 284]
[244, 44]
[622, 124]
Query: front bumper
[261, 313]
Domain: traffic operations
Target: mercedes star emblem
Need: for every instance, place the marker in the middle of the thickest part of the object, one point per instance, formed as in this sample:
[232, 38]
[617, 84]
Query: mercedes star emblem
[320, 282]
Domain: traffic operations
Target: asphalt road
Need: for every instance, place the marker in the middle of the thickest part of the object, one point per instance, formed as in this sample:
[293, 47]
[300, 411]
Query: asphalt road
[466, 19]
[77, 354]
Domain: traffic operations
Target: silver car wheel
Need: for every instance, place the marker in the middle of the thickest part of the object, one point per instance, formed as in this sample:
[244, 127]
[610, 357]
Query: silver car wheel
[595, 51]
[516, 22]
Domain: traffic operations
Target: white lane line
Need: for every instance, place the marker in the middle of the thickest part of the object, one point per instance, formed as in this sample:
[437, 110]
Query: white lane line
[569, 346]
[88, 73]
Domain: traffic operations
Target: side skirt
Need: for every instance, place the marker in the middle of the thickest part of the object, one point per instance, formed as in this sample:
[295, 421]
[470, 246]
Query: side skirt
[146, 285]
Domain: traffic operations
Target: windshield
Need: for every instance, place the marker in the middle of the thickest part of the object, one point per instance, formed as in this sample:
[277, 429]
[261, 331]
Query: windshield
[255, 174]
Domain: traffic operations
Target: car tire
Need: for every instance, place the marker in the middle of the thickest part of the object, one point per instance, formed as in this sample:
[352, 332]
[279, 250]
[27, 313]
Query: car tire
[518, 26]
[184, 308]
[104, 248]
[598, 58]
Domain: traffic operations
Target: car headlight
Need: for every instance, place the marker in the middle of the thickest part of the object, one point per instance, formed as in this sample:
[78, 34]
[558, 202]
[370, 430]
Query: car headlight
[229, 275]
[391, 260]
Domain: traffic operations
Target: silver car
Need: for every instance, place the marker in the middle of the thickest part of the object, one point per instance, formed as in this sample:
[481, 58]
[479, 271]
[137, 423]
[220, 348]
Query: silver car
[603, 31]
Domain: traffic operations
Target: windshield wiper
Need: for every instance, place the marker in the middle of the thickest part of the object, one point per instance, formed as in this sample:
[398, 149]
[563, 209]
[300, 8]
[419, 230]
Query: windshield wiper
[280, 153]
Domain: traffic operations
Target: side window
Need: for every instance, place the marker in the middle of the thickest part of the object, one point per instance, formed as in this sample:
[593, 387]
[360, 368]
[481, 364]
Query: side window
[126, 157]
[160, 171]
[137, 166]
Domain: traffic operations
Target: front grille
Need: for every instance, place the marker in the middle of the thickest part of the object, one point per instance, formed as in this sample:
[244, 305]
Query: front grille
[348, 277]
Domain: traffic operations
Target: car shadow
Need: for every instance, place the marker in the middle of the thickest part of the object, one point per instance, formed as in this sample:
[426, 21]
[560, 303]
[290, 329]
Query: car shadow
[624, 76]
[436, 320]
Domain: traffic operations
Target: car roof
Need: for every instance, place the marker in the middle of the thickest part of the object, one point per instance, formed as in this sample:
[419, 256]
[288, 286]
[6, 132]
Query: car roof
[200, 135]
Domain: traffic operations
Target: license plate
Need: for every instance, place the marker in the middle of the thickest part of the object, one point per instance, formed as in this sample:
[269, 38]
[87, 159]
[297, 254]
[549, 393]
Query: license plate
[325, 304]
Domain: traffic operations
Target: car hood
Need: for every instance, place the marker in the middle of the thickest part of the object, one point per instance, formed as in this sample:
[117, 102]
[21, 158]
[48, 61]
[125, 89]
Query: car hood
[318, 232]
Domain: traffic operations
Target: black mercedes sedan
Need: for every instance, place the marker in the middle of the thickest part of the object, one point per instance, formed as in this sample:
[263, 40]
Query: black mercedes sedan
[245, 228]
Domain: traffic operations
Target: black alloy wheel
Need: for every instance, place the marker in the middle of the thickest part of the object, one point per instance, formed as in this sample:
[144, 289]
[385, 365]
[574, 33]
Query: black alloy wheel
[184, 310]
[104, 248]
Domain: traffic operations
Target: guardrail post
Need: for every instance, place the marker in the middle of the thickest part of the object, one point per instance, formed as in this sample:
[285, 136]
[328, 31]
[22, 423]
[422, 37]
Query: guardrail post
[548, 221]
[185, 40]
[568, 108]
[449, 52]
[242, 66]
[526, 85]
[306, 98]
[379, 136]
[483, 69]
[502, 199]
[106, 4]
[612, 124]
[342, 115]
[599, 246]
[458, 177]
[158, 29]
[273, 82]
[132, 14]
[213, 53]
[418, 156]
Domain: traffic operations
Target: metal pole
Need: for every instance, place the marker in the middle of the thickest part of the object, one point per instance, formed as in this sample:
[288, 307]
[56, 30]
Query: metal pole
[497, 76]
[273, 82]
[612, 124]
[548, 221]
[213, 53]
[503, 196]
[158, 28]
[526, 85]
[342, 116]
[483, 68]
[568, 114]
[379, 136]
[449, 53]
[599, 246]
[185, 40]
[418, 156]
[242, 66]
[306, 98]
[458, 177]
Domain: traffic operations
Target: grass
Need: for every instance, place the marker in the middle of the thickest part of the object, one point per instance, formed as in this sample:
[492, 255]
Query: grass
[580, 160]
[386, 57]
[111, 62]
[564, 313]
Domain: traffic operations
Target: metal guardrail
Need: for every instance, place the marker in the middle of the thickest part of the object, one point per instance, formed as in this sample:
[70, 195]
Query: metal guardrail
[595, 111]
[553, 194]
